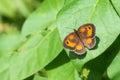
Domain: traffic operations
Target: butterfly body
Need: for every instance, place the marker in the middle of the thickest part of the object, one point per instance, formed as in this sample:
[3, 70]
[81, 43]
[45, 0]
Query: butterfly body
[81, 38]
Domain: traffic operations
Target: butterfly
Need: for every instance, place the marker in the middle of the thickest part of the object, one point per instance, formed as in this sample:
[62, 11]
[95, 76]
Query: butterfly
[78, 40]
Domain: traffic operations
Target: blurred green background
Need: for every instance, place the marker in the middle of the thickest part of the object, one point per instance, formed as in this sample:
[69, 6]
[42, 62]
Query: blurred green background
[14, 13]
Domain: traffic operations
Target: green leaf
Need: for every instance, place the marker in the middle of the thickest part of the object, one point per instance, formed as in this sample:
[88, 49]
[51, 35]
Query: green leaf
[7, 44]
[38, 46]
[35, 57]
[43, 17]
[99, 12]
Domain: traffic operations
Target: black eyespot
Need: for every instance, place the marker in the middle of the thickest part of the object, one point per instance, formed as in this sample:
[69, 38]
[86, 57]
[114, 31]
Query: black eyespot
[67, 42]
[89, 27]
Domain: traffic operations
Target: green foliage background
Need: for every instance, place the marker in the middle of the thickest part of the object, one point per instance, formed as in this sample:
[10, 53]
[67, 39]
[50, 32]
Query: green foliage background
[31, 43]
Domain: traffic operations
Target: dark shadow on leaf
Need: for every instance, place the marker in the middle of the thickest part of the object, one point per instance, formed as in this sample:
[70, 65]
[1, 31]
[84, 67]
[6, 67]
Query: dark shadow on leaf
[29, 78]
[73, 55]
[61, 59]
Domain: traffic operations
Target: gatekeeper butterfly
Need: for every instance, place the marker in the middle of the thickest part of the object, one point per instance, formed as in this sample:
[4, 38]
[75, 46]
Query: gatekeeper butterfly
[81, 38]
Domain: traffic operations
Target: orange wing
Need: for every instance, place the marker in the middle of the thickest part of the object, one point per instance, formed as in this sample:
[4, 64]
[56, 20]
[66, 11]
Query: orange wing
[89, 42]
[73, 43]
[80, 49]
[87, 35]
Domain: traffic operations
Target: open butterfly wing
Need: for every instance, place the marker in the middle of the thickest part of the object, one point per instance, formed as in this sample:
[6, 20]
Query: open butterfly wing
[70, 41]
[87, 31]
[87, 35]
[89, 42]
[80, 49]
[73, 43]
